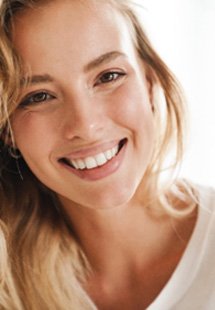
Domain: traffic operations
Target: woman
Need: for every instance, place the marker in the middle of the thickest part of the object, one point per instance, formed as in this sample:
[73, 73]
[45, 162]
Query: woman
[88, 113]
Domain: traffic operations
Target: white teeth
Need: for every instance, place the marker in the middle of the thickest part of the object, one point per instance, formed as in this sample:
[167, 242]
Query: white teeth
[80, 163]
[108, 154]
[94, 161]
[101, 159]
[90, 162]
[114, 150]
[75, 164]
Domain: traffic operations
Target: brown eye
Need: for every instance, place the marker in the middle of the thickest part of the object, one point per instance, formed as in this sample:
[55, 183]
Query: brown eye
[109, 77]
[39, 97]
[36, 98]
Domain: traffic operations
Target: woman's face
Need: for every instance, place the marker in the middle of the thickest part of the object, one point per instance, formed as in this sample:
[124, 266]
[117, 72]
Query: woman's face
[84, 124]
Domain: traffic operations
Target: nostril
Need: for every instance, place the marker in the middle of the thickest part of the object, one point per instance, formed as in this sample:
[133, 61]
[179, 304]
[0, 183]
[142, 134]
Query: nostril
[81, 120]
[82, 127]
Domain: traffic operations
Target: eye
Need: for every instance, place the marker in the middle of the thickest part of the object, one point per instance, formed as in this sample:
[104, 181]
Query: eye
[109, 77]
[36, 98]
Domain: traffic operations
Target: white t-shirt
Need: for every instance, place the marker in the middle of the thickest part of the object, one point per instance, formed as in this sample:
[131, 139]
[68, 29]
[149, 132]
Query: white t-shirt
[192, 285]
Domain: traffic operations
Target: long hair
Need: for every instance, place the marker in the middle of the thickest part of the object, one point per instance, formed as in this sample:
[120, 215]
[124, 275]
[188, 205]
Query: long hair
[42, 265]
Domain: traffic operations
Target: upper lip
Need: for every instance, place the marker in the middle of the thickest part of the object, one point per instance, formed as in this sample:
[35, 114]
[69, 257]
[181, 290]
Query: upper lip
[91, 151]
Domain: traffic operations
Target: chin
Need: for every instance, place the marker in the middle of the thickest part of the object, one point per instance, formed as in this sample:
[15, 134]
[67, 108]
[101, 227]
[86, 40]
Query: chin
[111, 199]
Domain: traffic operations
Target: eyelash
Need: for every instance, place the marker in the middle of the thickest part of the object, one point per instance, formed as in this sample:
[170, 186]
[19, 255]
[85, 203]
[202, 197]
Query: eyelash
[114, 74]
[37, 98]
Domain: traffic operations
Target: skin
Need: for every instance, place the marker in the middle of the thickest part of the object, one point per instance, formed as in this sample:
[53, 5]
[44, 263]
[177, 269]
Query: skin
[85, 116]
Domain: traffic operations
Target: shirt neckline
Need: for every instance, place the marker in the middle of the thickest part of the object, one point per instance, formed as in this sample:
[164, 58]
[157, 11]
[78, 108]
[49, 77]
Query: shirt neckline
[189, 263]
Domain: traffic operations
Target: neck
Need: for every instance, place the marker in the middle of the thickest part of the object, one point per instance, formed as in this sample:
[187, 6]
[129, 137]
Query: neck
[122, 231]
[132, 253]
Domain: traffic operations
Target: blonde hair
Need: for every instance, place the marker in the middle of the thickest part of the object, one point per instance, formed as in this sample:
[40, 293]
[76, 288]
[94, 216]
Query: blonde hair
[42, 265]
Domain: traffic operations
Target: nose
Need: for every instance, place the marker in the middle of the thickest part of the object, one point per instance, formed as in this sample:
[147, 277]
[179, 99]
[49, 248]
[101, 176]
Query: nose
[83, 118]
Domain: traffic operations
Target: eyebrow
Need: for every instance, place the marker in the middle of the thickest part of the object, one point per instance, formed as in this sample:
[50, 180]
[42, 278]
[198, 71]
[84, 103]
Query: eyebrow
[46, 78]
[105, 58]
[35, 79]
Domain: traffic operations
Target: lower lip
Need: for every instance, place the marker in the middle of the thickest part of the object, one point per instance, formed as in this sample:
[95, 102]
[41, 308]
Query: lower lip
[100, 172]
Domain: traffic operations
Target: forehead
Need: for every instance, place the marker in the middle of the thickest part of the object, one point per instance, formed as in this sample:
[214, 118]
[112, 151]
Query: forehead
[81, 24]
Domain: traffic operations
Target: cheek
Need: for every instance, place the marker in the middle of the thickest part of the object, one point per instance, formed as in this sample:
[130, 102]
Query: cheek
[132, 107]
[33, 134]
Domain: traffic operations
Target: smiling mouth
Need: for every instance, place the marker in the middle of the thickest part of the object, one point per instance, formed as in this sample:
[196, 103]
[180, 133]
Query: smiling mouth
[95, 161]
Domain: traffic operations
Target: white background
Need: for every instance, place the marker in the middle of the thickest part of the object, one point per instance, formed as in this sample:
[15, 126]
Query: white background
[183, 33]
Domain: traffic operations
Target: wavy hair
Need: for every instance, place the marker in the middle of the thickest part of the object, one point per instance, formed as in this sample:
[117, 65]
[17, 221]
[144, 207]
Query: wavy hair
[42, 265]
